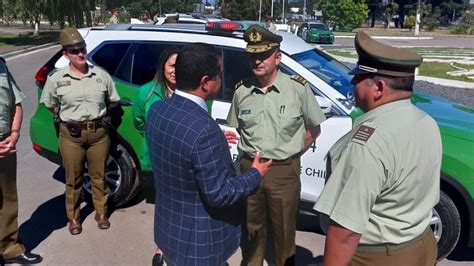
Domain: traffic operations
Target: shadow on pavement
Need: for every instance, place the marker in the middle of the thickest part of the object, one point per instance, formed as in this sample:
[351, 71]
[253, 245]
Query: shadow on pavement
[48, 217]
[305, 257]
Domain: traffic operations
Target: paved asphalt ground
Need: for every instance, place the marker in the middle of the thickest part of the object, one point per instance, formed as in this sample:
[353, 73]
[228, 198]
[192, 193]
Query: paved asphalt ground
[129, 241]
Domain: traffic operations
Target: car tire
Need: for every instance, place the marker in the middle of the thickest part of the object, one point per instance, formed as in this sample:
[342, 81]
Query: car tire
[121, 177]
[446, 225]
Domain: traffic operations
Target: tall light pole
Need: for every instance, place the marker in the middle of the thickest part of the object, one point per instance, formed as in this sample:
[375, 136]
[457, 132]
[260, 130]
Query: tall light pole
[283, 11]
[260, 12]
[304, 9]
[418, 19]
[271, 12]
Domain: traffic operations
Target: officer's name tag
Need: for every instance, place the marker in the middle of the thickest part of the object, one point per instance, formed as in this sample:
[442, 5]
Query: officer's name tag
[245, 112]
[63, 83]
[363, 134]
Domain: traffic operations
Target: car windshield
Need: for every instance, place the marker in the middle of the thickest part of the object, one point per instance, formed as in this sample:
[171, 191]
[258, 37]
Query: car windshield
[318, 26]
[328, 69]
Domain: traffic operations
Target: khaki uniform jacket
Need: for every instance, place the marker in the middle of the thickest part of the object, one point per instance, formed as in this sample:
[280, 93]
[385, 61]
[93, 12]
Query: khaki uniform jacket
[79, 99]
[10, 95]
[275, 122]
[385, 176]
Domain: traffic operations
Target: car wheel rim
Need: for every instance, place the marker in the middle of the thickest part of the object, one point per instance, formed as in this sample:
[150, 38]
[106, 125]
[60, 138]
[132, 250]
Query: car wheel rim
[436, 225]
[113, 177]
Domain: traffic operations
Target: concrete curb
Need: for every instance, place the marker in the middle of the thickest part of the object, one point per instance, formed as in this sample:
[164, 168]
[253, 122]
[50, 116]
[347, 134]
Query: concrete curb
[388, 37]
[29, 49]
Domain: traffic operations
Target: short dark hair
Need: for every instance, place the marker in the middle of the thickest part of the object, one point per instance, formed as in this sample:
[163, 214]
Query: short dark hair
[195, 61]
[396, 83]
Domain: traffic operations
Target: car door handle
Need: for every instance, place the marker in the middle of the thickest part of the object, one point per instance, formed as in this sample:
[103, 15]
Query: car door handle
[221, 121]
[126, 102]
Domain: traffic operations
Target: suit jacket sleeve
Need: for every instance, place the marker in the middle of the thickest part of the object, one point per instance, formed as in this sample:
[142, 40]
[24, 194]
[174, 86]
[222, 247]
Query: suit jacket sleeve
[214, 174]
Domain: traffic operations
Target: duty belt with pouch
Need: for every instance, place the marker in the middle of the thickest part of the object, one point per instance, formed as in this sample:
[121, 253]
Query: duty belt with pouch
[75, 127]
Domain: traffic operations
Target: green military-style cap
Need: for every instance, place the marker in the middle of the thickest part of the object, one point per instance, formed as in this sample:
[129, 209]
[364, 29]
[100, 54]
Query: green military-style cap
[260, 40]
[378, 58]
[70, 38]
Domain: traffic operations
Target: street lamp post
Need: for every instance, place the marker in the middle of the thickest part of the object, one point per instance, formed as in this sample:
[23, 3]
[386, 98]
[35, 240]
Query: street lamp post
[271, 12]
[418, 20]
[260, 12]
[283, 11]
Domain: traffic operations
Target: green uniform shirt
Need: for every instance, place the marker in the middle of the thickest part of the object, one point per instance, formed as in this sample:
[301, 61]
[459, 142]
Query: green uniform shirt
[10, 95]
[147, 95]
[275, 122]
[79, 99]
[385, 176]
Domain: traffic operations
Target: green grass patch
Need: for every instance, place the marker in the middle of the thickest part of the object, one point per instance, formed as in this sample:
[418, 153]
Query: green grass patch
[29, 38]
[439, 70]
[430, 69]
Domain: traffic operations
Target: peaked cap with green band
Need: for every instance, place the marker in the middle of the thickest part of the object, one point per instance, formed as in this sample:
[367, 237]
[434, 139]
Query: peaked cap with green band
[260, 40]
[70, 38]
[379, 58]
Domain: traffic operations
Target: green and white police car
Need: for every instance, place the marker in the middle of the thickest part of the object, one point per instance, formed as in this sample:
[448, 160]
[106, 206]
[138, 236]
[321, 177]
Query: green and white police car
[130, 54]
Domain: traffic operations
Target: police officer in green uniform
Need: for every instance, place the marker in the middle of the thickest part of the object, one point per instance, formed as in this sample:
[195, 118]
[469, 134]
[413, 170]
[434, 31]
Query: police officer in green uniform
[385, 176]
[11, 113]
[80, 94]
[278, 116]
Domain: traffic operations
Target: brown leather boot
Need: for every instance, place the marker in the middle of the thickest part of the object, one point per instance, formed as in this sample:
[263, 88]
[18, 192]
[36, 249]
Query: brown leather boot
[102, 221]
[75, 226]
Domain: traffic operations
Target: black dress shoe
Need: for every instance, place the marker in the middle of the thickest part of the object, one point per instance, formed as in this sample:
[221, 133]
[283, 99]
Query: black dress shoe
[25, 258]
[157, 260]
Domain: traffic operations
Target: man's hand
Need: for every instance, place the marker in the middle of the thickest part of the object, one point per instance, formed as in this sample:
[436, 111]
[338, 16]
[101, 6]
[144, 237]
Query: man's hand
[230, 136]
[7, 146]
[262, 168]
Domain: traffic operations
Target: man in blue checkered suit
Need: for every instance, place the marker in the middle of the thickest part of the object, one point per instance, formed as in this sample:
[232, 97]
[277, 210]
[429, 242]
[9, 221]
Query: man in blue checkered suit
[197, 217]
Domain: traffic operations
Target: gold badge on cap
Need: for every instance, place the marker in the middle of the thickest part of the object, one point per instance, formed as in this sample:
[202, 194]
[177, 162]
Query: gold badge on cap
[255, 36]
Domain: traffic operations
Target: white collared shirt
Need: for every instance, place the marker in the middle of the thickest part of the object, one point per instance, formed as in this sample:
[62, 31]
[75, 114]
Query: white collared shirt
[200, 101]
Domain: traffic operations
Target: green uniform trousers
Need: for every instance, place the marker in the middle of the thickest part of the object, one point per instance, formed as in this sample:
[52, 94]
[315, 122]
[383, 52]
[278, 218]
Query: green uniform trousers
[90, 146]
[9, 243]
[422, 252]
[276, 201]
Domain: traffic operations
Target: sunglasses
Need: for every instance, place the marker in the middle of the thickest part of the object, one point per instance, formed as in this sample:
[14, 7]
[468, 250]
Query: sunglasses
[76, 51]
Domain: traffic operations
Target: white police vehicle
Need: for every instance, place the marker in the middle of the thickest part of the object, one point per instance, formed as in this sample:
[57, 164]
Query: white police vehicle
[130, 54]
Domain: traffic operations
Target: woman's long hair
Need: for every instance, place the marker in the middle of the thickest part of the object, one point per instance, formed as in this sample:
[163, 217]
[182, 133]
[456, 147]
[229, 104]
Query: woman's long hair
[159, 78]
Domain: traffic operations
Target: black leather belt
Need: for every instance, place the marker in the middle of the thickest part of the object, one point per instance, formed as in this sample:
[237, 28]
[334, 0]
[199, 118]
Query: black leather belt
[90, 125]
[285, 161]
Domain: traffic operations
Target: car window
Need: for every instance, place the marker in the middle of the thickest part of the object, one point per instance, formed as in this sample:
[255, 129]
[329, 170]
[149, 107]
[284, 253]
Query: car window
[144, 62]
[318, 26]
[110, 55]
[236, 68]
[328, 69]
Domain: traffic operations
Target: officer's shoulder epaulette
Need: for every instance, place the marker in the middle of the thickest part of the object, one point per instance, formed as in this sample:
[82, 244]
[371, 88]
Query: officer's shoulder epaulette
[240, 83]
[363, 134]
[299, 79]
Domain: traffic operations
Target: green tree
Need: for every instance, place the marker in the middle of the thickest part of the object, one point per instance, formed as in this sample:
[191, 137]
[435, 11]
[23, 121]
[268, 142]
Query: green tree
[390, 10]
[247, 9]
[345, 14]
